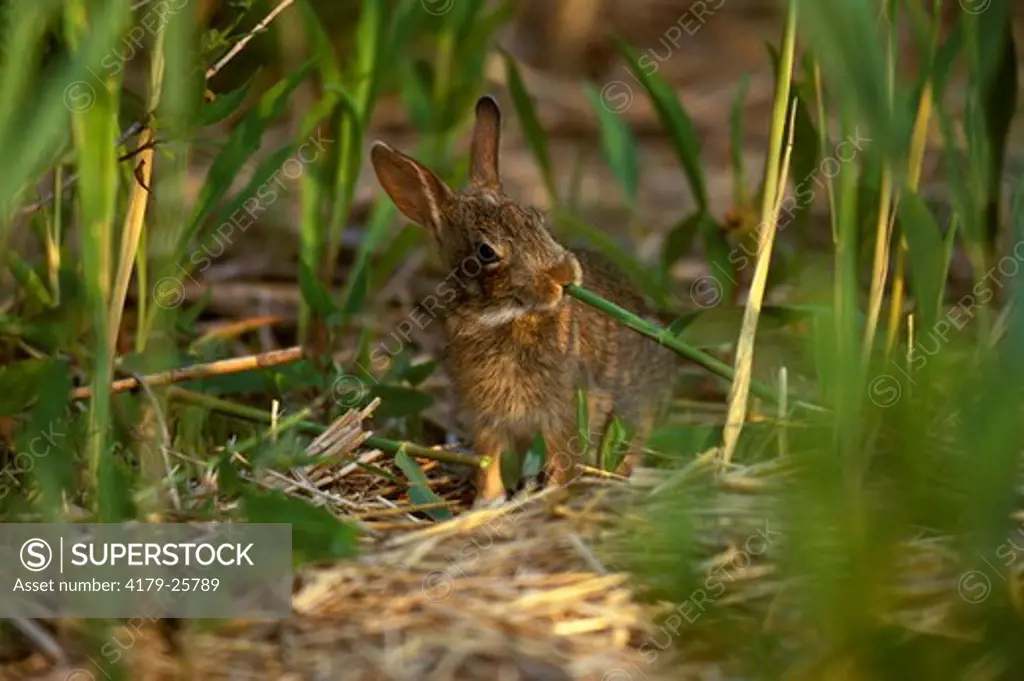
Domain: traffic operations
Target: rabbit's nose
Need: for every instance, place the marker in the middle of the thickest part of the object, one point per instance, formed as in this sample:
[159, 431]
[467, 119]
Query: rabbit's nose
[567, 271]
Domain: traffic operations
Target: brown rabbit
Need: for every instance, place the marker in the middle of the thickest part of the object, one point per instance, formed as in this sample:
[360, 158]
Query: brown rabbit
[516, 346]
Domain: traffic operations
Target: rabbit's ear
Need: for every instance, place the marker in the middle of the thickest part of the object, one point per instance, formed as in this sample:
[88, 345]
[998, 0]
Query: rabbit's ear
[484, 149]
[417, 192]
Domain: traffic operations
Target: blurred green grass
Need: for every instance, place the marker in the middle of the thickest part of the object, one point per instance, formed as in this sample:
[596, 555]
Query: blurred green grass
[916, 436]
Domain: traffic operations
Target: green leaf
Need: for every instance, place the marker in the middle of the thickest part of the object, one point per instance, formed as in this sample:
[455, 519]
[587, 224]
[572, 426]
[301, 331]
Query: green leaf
[417, 373]
[1014, 345]
[318, 42]
[462, 17]
[415, 92]
[680, 240]
[46, 438]
[999, 115]
[357, 284]
[723, 264]
[19, 384]
[407, 17]
[364, 71]
[398, 402]
[29, 280]
[114, 488]
[224, 105]
[316, 533]
[533, 462]
[259, 189]
[534, 133]
[355, 295]
[419, 491]
[687, 439]
[804, 163]
[945, 60]
[736, 143]
[471, 34]
[719, 326]
[614, 443]
[314, 293]
[395, 252]
[47, 332]
[926, 257]
[34, 125]
[844, 35]
[243, 142]
[618, 145]
[994, 44]
[677, 124]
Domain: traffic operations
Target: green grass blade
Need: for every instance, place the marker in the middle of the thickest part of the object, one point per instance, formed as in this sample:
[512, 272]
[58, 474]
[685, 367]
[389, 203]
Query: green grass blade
[224, 105]
[94, 131]
[844, 35]
[926, 257]
[35, 131]
[419, 489]
[736, 142]
[534, 133]
[676, 123]
[618, 145]
[243, 142]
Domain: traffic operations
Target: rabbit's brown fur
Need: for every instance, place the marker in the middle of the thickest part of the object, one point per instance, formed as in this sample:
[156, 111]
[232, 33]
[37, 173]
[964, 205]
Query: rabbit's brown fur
[517, 347]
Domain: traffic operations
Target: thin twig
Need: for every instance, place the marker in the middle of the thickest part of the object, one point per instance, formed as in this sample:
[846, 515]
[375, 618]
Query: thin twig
[222, 367]
[144, 146]
[240, 45]
[234, 328]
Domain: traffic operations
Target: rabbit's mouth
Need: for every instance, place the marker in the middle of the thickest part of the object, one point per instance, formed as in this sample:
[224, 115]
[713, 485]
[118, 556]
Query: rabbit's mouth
[545, 298]
[551, 288]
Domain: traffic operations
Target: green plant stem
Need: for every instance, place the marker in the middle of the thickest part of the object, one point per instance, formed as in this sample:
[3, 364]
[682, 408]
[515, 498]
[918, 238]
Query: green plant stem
[774, 189]
[352, 130]
[55, 234]
[96, 161]
[884, 224]
[669, 340]
[258, 415]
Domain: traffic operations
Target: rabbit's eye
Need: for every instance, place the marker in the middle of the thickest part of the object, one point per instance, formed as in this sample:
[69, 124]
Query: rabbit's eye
[486, 253]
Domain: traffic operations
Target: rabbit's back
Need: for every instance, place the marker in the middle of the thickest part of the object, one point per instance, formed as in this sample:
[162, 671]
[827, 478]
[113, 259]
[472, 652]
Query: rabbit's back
[626, 372]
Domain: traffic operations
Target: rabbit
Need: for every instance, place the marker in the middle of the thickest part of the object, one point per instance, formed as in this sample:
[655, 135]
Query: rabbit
[516, 345]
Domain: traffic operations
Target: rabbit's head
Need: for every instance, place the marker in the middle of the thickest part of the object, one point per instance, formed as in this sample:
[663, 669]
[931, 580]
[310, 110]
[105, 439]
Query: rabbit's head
[500, 251]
